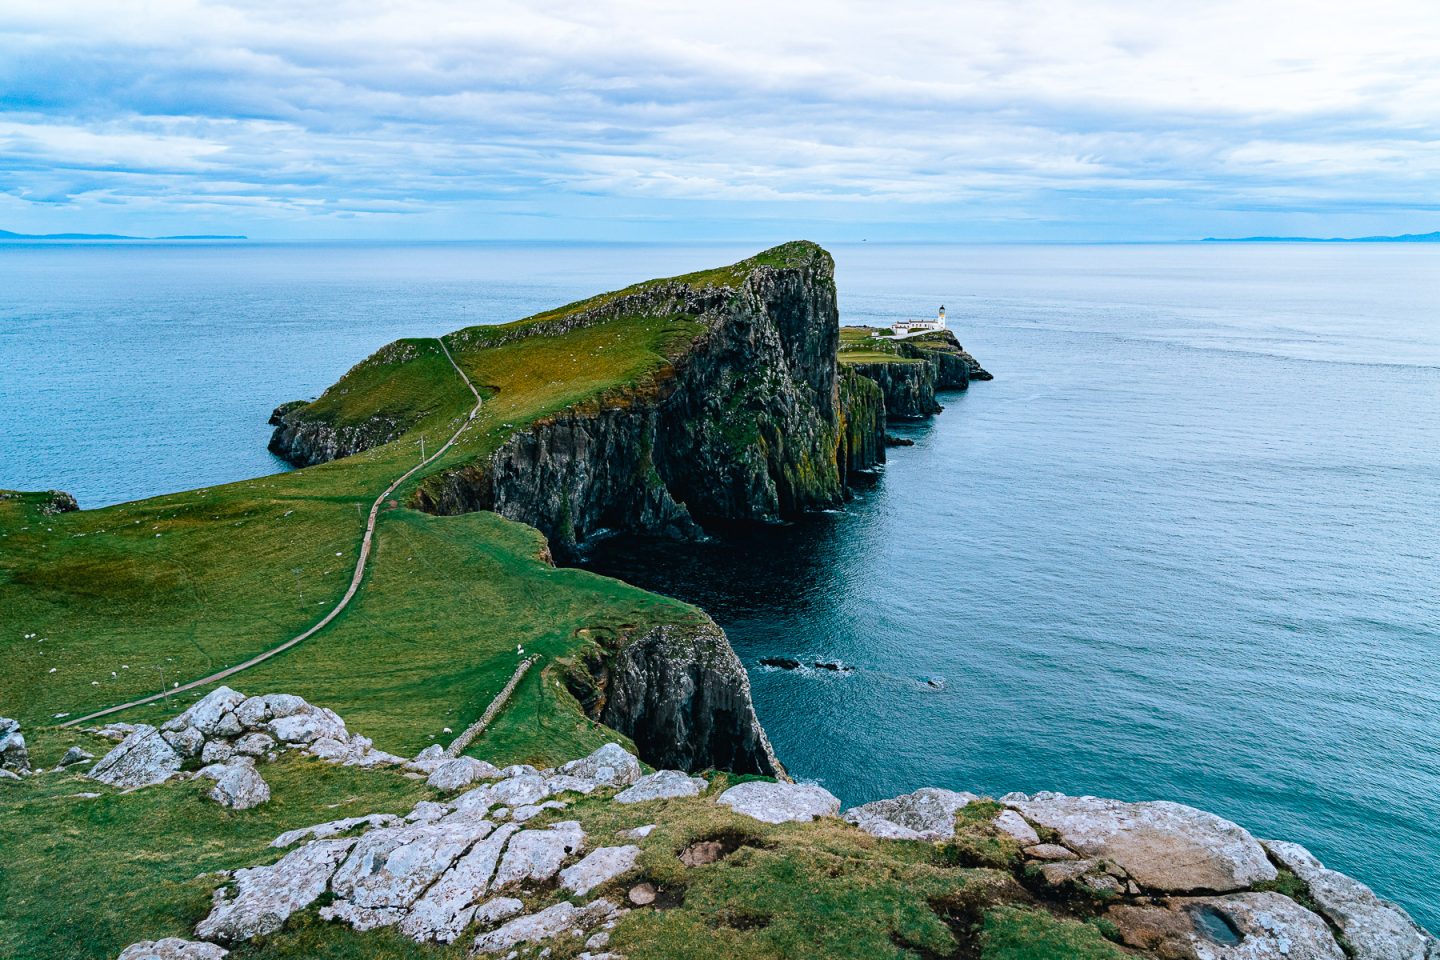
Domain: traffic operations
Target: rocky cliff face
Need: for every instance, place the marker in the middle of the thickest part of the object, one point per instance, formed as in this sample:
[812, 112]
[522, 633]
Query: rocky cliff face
[744, 426]
[308, 442]
[908, 386]
[679, 692]
[862, 424]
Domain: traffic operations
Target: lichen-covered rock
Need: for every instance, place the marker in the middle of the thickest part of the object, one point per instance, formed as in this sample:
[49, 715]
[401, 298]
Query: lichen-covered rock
[392, 866]
[1164, 846]
[535, 856]
[142, 759]
[460, 772]
[662, 785]
[908, 386]
[611, 765]
[329, 829]
[926, 814]
[187, 741]
[1375, 928]
[216, 751]
[599, 867]
[448, 906]
[238, 785]
[780, 802]
[207, 713]
[550, 922]
[255, 744]
[427, 760]
[265, 897]
[173, 948]
[14, 755]
[1239, 926]
[73, 756]
[1014, 826]
[307, 725]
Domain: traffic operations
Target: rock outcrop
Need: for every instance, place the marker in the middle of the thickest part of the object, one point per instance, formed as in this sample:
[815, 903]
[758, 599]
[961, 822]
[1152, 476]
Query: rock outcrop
[1162, 845]
[680, 693]
[143, 759]
[780, 802]
[14, 755]
[926, 814]
[908, 386]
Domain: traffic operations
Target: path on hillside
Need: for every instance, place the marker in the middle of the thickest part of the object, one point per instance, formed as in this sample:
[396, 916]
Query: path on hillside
[354, 588]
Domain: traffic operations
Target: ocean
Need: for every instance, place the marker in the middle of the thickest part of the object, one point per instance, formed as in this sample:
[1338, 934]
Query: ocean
[1186, 545]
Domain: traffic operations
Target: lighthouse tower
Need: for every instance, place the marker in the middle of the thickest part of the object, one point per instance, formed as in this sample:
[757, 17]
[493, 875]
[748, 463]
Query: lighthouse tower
[940, 318]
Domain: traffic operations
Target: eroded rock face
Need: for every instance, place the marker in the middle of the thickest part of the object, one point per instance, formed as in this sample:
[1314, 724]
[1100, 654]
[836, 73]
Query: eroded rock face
[265, 897]
[926, 814]
[907, 385]
[449, 905]
[142, 759]
[238, 785]
[1164, 846]
[780, 802]
[1240, 926]
[1376, 929]
[208, 714]
[663, 785]
[680, 693]
[173, 948]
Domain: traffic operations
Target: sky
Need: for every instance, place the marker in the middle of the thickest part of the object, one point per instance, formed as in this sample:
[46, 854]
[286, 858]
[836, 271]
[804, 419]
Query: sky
[968, 120]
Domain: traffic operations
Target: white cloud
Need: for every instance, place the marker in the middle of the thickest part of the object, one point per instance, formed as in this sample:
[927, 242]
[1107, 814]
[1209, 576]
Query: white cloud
[978, 106]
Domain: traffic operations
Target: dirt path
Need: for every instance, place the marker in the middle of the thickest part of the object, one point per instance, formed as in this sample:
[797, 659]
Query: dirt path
[355, 579]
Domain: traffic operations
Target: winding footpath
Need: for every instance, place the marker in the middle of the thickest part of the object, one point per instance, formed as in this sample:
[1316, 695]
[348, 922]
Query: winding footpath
[355, 579]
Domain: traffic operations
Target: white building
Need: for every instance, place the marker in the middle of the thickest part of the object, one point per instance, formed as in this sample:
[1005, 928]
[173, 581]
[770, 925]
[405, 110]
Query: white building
[906, 328]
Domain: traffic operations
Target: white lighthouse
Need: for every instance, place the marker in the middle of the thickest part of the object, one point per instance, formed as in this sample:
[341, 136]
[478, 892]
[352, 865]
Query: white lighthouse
[908, 328]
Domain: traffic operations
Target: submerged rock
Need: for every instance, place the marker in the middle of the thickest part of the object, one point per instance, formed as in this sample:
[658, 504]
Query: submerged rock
[782, 663]
[1164, 846]
[142, 759]
[780, 802]
[926, 814]
[1376, 929]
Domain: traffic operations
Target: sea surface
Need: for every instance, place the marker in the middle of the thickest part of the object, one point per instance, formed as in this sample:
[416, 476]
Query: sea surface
[1186, 545]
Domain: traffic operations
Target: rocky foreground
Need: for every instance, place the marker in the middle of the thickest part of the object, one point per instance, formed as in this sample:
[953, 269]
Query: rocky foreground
[501, 863]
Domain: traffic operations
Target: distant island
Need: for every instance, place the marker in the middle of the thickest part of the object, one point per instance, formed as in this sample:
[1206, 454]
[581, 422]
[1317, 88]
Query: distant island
[9, 235]
[1402, 238]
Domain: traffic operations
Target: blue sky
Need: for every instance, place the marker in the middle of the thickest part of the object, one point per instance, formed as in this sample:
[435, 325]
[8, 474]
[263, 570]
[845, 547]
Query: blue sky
[1007, 121]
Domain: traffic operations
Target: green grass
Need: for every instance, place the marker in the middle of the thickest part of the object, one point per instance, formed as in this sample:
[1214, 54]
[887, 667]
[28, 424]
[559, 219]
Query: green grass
[1014, 933]
[850, 357]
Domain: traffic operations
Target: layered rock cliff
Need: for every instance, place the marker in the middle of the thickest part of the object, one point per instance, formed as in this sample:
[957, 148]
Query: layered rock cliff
[908, 386]
[680, 693]
[744, 425]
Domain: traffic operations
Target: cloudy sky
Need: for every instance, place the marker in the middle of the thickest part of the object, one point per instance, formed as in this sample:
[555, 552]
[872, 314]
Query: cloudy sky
[1003, 120]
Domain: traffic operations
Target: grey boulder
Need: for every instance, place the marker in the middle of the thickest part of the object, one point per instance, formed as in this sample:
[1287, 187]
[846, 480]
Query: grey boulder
[664, 785]
[392, 866]
[550, 922]
[610, 766]
[207, 713]
[926, 814]
[73, 756]
[238, 785]
[14, 755]
[173, 948]
[142, 759]
[780, 802]
[1376, 929]
[1164, 846]
[448, 906]
[460, 772]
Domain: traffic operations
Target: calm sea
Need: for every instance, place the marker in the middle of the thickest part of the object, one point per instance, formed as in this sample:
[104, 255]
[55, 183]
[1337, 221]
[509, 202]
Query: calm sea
[1185, 546]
